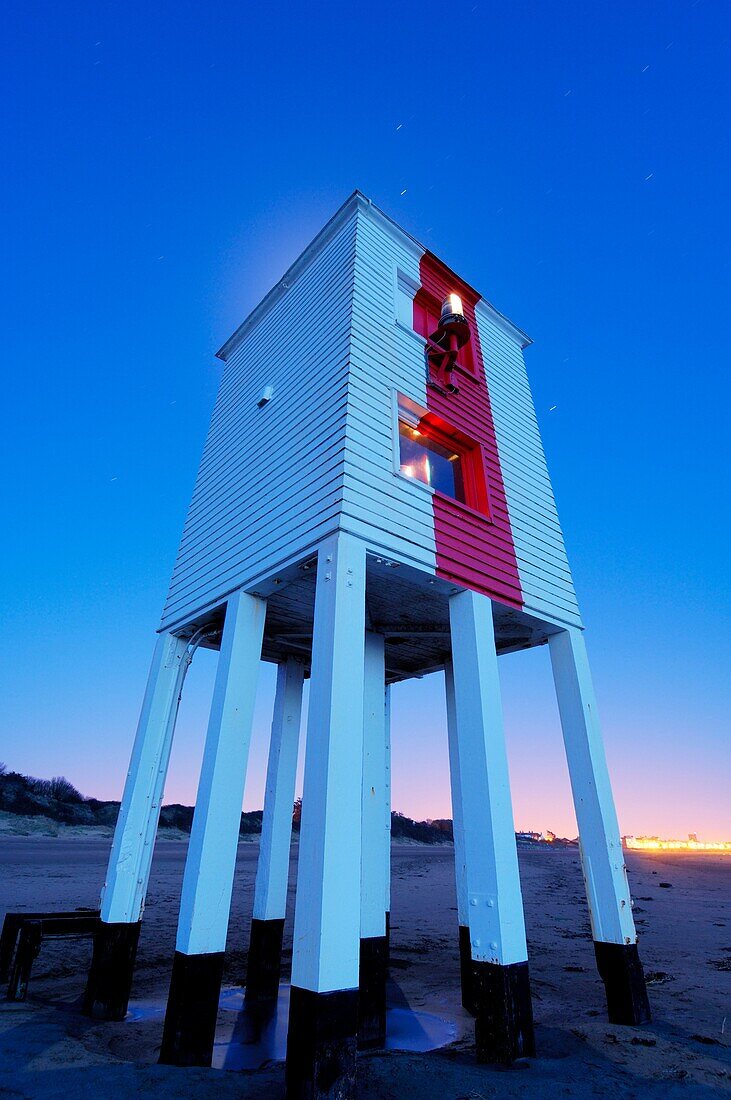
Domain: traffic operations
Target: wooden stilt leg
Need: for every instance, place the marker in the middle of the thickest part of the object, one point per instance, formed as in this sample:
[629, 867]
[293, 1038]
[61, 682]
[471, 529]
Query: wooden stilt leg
[374, 858]
[123, 896]
[602, 858]
[387, 846]
[499, 986]
[190, 1018]
[323, 1018]
[272, 872]
[465, 955]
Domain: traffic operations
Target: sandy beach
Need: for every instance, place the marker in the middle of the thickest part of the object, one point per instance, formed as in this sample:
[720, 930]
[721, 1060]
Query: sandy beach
[683, 912]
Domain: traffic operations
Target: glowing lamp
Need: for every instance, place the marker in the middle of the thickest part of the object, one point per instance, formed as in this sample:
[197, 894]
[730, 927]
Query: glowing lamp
[451, 307]
[453, 331]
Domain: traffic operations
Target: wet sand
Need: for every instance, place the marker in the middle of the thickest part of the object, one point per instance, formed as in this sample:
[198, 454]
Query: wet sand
[47, 1050]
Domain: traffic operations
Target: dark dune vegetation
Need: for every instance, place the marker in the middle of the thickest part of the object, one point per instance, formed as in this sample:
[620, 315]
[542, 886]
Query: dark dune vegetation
[58, 800]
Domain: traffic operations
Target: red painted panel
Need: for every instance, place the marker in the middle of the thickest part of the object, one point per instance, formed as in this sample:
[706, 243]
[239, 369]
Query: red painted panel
[474, 550]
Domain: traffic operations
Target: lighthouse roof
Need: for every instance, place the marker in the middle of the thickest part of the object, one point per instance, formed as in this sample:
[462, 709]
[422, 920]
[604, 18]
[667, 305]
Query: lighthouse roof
[356, 200]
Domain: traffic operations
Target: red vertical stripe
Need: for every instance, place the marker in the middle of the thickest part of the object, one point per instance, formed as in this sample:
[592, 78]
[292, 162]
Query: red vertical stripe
[473, 550]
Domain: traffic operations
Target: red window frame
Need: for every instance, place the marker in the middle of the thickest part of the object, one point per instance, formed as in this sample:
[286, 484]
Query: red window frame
[472, 460]
[427, 311]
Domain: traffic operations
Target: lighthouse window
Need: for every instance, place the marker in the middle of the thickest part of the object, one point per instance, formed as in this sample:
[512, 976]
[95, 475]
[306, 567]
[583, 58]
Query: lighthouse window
[425, 459]
[436, 454]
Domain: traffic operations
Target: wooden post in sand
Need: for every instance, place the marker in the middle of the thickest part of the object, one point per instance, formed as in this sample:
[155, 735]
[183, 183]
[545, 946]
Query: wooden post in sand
[465, 954]
[387, 845]
[323, 1012]
[602, 857]
[190, 1018]
[123, 895]
[272, 871]
[375, 852]
[499, 984]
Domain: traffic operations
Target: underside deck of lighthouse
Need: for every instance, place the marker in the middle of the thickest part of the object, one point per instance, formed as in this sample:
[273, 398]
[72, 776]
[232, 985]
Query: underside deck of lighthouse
[410, 608]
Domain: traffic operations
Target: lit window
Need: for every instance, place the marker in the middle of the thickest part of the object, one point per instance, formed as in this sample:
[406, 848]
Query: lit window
[424, 459]
[440, 456]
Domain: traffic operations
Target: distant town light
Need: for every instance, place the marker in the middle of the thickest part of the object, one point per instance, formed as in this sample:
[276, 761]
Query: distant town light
[692, 844]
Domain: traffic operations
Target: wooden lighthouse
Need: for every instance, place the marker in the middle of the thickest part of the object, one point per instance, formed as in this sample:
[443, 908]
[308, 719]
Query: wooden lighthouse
[372, 504]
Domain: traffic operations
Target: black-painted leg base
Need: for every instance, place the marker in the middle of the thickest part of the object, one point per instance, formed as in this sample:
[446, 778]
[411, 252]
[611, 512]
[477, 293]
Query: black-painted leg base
[624, 982]
[388, 942]
[264, 966]
[109, 984]
[190, 1018]
[503, 1012]
[321, 1045]
[372, 998]
[465, 970]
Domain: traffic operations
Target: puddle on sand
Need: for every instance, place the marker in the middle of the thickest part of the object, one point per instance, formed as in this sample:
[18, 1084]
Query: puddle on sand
[249, 1038]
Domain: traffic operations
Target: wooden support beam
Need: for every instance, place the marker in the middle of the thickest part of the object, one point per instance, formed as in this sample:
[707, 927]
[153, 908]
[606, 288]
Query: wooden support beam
[375, 838]
[272, 871]
[387, 846]
[123, 896]
[499, 985]
[465, 955]
[600, 844]
[190, 1019]
[321, 1043]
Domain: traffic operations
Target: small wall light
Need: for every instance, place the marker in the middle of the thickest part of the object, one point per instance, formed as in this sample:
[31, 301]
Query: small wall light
[266, 395]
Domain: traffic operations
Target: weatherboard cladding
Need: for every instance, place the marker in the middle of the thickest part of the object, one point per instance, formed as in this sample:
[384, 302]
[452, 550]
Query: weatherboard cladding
[270, 483]
[545, 581]
[335, 339]
[392, 514]
[545, 578]
[473, 549]
[520, 559]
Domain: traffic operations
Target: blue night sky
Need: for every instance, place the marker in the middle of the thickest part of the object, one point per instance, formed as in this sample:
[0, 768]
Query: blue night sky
[164, 165]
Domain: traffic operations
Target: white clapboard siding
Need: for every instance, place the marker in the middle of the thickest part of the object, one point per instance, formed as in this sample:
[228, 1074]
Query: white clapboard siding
[270, 483]
[545, 578]
[335, 341]
[394, 516]
[397, 516]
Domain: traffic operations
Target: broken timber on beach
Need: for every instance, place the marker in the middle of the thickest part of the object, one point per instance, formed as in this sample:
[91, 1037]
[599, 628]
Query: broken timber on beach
[372, 504]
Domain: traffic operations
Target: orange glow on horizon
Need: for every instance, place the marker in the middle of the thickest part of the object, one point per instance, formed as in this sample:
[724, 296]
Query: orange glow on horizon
[655, 844]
